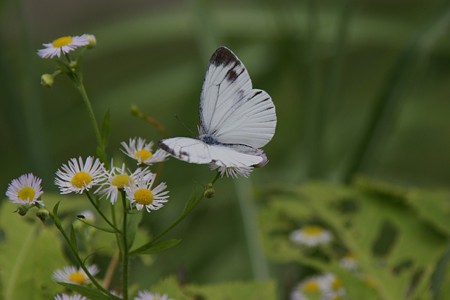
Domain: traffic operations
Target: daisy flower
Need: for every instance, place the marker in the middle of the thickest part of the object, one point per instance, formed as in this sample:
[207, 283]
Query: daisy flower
[67, 297]
[349, 262]
[141, 151]
[146, 295]
[117, 179]
[141, 194]
[74, 275]
[25, 190]
[64, 45]
[77, 177]
[311, 236]
[327, 286]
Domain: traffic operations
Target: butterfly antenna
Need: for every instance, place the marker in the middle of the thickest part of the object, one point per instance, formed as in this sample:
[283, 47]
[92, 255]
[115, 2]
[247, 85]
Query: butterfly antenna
[184, 125]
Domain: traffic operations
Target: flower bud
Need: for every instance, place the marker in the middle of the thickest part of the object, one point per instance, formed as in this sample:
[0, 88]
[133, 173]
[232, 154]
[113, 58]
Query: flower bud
[135, 111]
[47, 80]
[42, 214]
[210, 192]
[92, 41]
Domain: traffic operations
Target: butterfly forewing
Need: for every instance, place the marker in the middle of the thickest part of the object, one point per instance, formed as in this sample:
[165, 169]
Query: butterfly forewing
[187, 149]
[230, 110]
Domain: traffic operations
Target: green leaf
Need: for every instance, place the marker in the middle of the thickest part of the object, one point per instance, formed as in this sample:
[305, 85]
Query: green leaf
[87, 291]
[192, 202]
[157, 247]
[264, 290]
[235, 291]
[73, 237]
[133, 221]
[55, 208]
[30, 252]
[391, 233]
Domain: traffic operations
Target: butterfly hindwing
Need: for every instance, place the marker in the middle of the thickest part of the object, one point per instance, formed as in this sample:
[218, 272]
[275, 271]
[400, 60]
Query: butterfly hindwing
[196, 151]
[230, 110]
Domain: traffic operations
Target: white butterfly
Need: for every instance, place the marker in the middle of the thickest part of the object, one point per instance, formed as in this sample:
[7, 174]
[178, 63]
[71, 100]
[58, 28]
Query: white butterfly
[235, 120]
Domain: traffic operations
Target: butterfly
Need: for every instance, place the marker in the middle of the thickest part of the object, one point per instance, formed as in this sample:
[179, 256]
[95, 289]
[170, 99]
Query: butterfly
[235, 120]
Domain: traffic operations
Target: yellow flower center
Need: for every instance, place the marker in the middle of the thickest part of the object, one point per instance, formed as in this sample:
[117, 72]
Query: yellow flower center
[143, 196]
[313, 230]
[81, 179]
[77, 277]
[62, 41]
[27, 193]
[143, 154]
[336, 284]
[121, 180]
[311, 286]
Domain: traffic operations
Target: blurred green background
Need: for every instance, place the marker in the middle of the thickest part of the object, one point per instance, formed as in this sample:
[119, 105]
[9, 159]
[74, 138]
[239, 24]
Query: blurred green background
[360, 87]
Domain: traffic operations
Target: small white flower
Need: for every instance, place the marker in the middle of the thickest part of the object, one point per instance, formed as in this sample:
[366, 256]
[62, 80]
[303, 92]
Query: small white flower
[74, 275]
[67, 297]
[117, 179]
[349, 262]
[311, 236]
[141, 151]
[141, 194]
[25, 190]
[64, 45]
[146, 295]
[77, 177]
[326, 286]
[297, 295]
[233, 172]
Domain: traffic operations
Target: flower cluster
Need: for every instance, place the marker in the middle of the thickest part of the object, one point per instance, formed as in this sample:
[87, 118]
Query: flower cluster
[326, 286]
[82, 175]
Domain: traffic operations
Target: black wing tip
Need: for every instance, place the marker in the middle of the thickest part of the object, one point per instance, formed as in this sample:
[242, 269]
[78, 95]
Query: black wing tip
[165, 147]
[223, 56]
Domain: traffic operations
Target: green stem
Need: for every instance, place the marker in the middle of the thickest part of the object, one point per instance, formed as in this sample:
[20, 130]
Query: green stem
[248, 210]
[101, 213]
[80, 262]
[125, 248]
[331, 84]
[313, 106]
[80, 86]
[381, 120]
[186, 212]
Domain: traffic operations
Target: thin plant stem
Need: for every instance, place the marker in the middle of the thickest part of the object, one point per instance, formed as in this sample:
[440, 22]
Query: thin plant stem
[330, 88]
[80, 86]
[381, 119]
[313, 117]
[125, 248]
[101, 213]
[80, 262]
[112, 266]
[248, 211]
[177, 221]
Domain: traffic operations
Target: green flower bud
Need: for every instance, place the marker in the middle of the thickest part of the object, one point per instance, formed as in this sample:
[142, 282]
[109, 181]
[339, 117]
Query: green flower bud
[47, 80]
[42, 214]
[92, 41]
[23, 209]
[209, 191]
